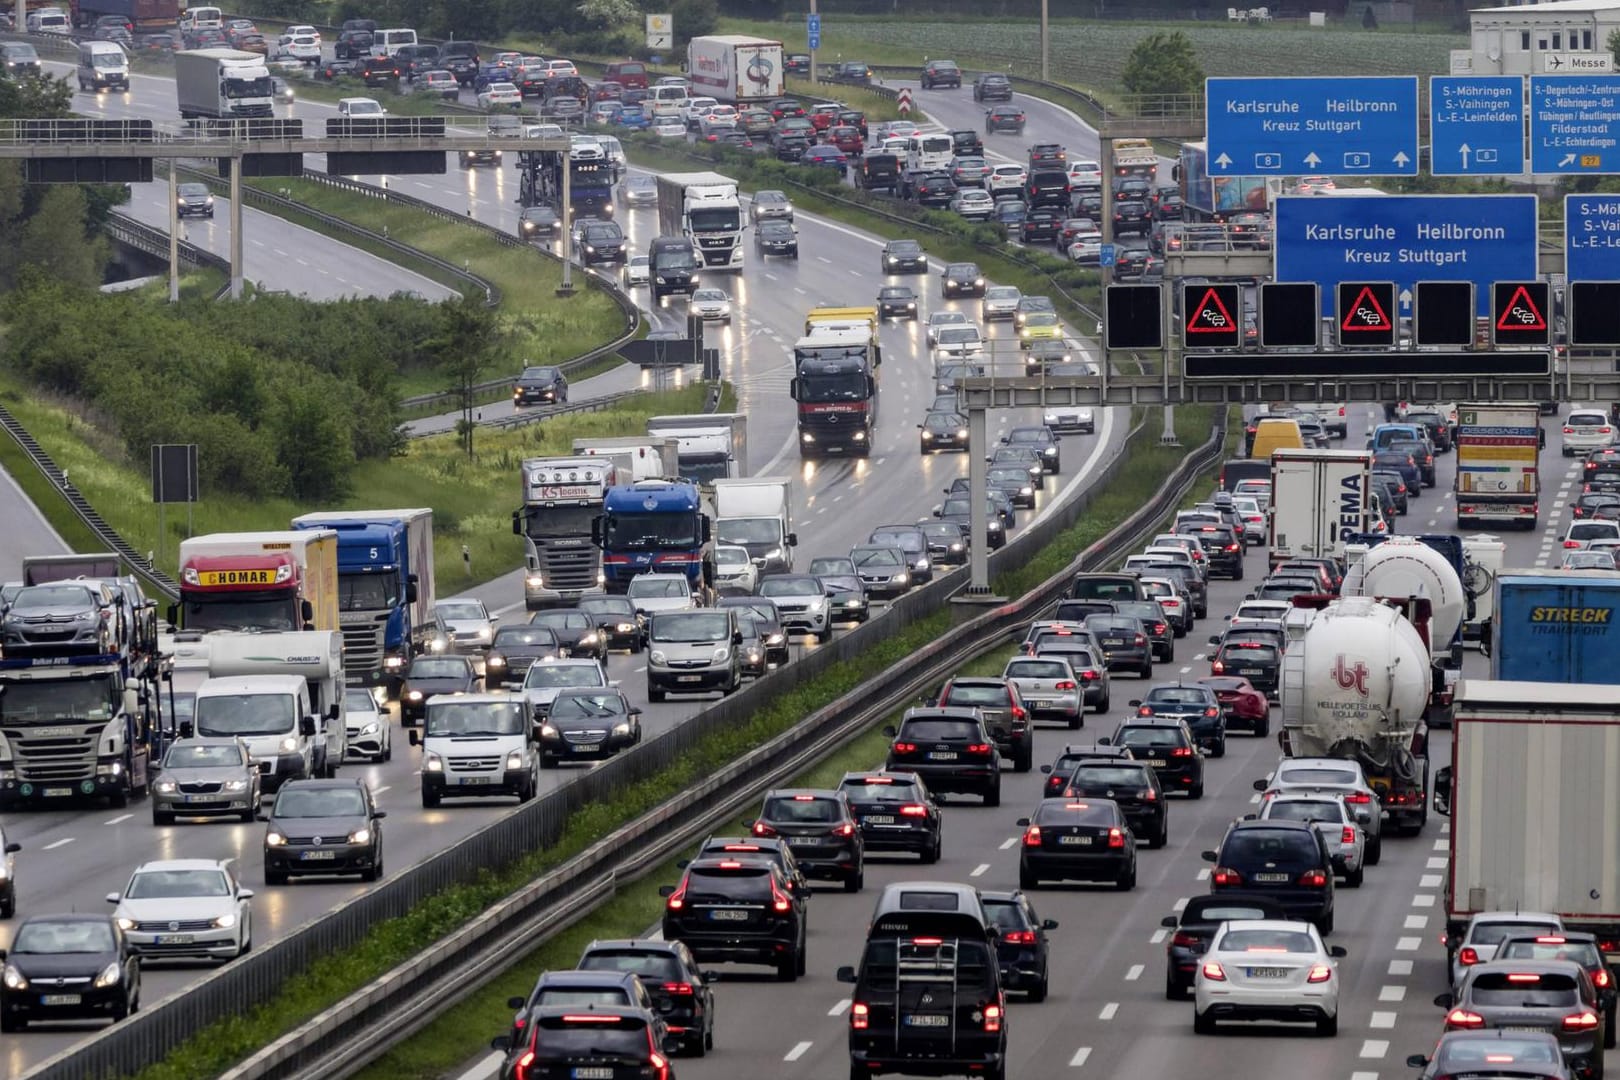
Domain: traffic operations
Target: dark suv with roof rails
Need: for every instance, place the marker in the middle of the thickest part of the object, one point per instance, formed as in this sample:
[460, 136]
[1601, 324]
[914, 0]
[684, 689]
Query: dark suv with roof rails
[997, 700]
[895, 812]
[950, 748]
[1106, 587]
[681, 991]
[1286, 861]
[1224, 547]
[1133, 786]
[603, 1040]
[1167, 746]
[773, 850]
[1021, 946]
[820, 828]
[739, 911]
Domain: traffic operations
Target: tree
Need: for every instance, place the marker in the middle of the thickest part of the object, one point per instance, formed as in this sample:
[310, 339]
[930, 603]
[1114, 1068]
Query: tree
[1164, 63]
[55, 241]
[465, 347]
[1613, 44]
[693, 18]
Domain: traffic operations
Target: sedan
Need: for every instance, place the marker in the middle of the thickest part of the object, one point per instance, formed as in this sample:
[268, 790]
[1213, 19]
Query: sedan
[192, 908]
[962, 279]
[770, 204]
[88, 952]
[903, 257]
[1039, 325]
[775, 237]
[1268, 969]
[943, 431]
[711, 305]
[514, 649]
[1196, 706]
[973, 203]
[1080, 418]
[429, 676]
[642, 190]
[535, 222]
[576, 632]
[1039, 439]
[1005, 117]
[500, 95]
[323, 827]
[637, 271]
[1240, 701]
[900, 302]
[545, 679]
[206, 776]
[826, 157]
[588, 724]
[470, 625]
[1077, 839]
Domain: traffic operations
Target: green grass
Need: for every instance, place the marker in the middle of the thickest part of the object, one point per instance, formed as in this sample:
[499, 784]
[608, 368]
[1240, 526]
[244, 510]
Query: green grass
[472, 500]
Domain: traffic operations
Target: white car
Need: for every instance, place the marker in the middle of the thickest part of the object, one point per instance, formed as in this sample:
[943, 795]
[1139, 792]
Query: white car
[652, 593]
[1007, 178]
[468, 623]
[360, 106]
[304, 48]
[637, 271]
[1173, 599]
[734, 571]
[545, 679]
[1487, 930]
[695, 109]
[719, 116]
[558, 68]
[304, 30]
[1327, 812]
[1271, 611]
[1582, 533]
[1259, 490]
[1336, 775]
[973, 203]
[1590, 559]
[669, 127]
[193, 908]
[1253, 517]
[1586, 430]
[938, 319]
[1082, 418]
[959, 343]
[1086, 248]
[370, 737]
[500, 95]
[1314, 185]
[586, 148]
[710, 304]
[1267, 969]
[1085, 174]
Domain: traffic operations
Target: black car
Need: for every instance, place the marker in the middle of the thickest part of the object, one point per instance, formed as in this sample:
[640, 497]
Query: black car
[774, 852]
[937, 73]
[895, 812]
[737, 910]
[934, 190]
[1258, 661]
[535, 222]
[947, 542]
[821, 829]
[353, 45]
[459, 58]
[540, 385]
[998, 703]
[577, 631]
[1021, 945]
[962, 279]
[588, 724]
[616, 621]
[992, 87]
[1132, 216]
[1196, 706]
[1071, 756]
[1133, 187]
[514, 649]
[796, 64]
[601, 1040]
[1166, 746]
[1286, 861]
[1223, 547]
[1133, 786]
[609, 987]
[897, 302]
[904, 257]
[1040, 439]
[790, 146]
[944, 431]
[1041, 226]
[431, 675]
[774, 236]
[194, 200]
[967, 144]
[65, 953]
[1397, 495]
[1193, 930]
[950, 749]
[682, 992]
[601, 242]
[323, 827]
[378, 71]
[1132, 260]
[1000, 118]
[1077, 840]
[1160, 634]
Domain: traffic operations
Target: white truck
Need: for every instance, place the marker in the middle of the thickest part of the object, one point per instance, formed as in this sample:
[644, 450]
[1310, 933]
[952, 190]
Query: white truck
[1319, 499]
[735, 68]
[1533, 797]
[711, 445]
[222, 84]
[282, 694]
[756, 513]
[642, 458]
[704, 208]
[1498, 479]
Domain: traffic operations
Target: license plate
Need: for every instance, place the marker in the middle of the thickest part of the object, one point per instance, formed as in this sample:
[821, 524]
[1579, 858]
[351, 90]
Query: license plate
[592, 1072]
[1267, 973]
[59, 999]
[942, 755]
[932, 1020]
[317, 856]
[1156, 762]
[58, 792]
[1075, 841]
[1037, 702]
[472, 780]
[1251, 671]
[688, 678]
[196, 798]
[174, 939]
[1271, 877]
[728, 915]
[879, 819]
[803, 841]
[1113, 641]
[588, 748]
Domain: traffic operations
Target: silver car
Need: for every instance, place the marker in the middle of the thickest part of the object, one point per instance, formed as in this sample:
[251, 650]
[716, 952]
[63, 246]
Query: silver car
[1000, 302]
[205, 777]
[802, 602]
[693, 652]
[470, 625]
[1345, 837]
[370, 737]
[1336, 776]
[194, 908]
[1487, 930]
[1049, 687]
[545, 679]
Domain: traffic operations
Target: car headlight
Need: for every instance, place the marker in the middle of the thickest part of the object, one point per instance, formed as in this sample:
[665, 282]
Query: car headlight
[920, 564]
[165, 787]
[818, 604]
[236, 785]
[911, 307]
[1026, 490]
[625, 628]
[928, 434]
[995, 526]
[961, 433]
[272, 838]
[361, 835]
[547, 731]
[208, 201]
[288, 744]
[657, 657]
[14, 979]
[1050, 451]
[721, 655]
[494, 660]
[432, 762]
[413, 695]
[438, 644]
[393, 663]
[903, 577]
[956, 547]
[225, 921]
[774, 639]
[621, 729]
[109, 975]
[588, 639]
[514, 759]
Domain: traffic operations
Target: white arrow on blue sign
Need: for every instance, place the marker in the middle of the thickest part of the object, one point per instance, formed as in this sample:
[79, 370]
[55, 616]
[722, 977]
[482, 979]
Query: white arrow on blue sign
[812, 24]
[1105, 255]
[1575, 124]
[1476, 125]
[815, 40]
[1330, 126]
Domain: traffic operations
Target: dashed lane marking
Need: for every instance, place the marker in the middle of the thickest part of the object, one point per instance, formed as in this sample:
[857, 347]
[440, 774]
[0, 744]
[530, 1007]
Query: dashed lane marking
[1009, 842]
[1429, 881]
[840, 1008]
[1442, 845]
[1134, 973]
[979, 871]
[1375, 1048]
[1381, 1021]
[66, 840]
[1392, 993]
[1080, 1057]
[1180, 905]
[797, 1052]
[1408, 944]
[1423, 900]
[1203, 874]
[119, 819]
[1400, 967]
[1158, 936]
[1108, 1011]
[1417, 922]
[1436, 862]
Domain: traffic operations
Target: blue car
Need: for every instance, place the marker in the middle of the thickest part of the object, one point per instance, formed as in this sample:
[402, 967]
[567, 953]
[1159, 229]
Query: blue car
[1196, 705]
[490, 73]
[1010, 214]
[634, 117]
[827, 157]
[1402, 462]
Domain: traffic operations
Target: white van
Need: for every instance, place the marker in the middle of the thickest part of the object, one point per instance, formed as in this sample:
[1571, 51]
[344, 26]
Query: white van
[102, 66]
[202, 18]
[49, 21]
[389, 42]
[478, 745]
[670, 100]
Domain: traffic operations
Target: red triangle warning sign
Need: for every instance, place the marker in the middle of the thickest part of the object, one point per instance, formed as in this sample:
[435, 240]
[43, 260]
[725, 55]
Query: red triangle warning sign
[1366, 314]
[1521, 313]
[1210, 316]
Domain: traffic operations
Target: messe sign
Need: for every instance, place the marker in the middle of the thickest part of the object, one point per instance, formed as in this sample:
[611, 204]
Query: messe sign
[1592, 237]
[1404, 239]
[1476, 125]
[1575, 124]
[1289, 126]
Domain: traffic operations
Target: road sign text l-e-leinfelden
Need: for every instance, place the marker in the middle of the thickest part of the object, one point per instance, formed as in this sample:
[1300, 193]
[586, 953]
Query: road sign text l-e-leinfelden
[1476, 125]
[1592, 237]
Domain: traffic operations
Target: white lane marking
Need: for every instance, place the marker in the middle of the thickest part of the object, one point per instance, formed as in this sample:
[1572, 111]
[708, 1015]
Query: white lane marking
[1408, 944]
[640, 669]
[1363, 1076]
[1392, 993]
[1254, 800]
[824, 259]
[1134, 973]
[1180, 904]
[1381, 1020]
[1158, 936]
[979, 871]
[1009, 842]
[120, 818]
[797, 1052]
[1080, 1057]
[66, 840]
[1416, 922]
[1442, 845]
[1375, 1048]
[1108, 1011]
[1203, 874]
[1198, 656]
[487, 1068]
[1400, 967]
[1435, 862]
[840, 1008]
[1185, 670]
[1429, 881]
[1423, 900]
[380, 790]
[1445, 828]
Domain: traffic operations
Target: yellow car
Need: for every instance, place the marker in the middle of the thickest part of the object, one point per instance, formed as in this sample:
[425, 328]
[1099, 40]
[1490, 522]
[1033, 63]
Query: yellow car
[1039, 326]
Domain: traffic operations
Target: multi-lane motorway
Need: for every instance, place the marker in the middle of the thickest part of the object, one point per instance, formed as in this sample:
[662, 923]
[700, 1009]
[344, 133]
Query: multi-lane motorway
[74, 857]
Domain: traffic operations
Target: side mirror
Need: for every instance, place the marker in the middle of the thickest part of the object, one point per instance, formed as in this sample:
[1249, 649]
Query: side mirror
[332, 712]
[13, 848]
[1215, 640]
[635, 712]
[1046, 769]
[1004, 440]
[1133, 704]
[186, 729]
[748, 823]
[792, 539]
[1260, 785]
[1022, 823]
[1104, 741]
[672, 1043]
[1248, 817]
[736, 637]
[378, 815]
[245, 894]
[1049, 924]
[113, 898]
[890, 731]
[502, 1043]
[1207, 856]
[846, 974]
[173, 614]
[515, 1003]
[1169, 922]
[1444, 1001]
[306, 726]
[1338, 952]
[3, 954]
[1363, 818]
[1416, 1061]
[666, 890]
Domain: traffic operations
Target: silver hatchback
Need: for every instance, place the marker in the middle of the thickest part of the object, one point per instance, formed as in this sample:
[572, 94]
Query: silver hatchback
[1049, 687]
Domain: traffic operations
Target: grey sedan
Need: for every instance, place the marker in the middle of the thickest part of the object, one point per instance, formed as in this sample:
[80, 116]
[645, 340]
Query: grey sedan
[206, 777]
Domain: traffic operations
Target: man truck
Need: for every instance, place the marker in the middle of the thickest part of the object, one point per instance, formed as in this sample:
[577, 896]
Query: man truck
[705, 209]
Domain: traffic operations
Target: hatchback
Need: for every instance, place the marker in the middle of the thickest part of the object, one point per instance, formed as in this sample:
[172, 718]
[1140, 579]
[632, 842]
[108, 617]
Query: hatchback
[895, 812]
[821, 829]
[1285, 860]
[1167, 746]
[1586, 430]
[1554, 996]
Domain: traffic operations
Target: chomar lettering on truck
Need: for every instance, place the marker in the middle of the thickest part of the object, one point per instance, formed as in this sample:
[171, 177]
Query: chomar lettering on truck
[1571, 615]
[236, 577]
[1351, 501]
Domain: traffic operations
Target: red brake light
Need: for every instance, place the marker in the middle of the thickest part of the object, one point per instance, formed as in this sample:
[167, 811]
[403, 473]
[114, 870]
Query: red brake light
[1150, 795]
[914, 810]
[1032, 836]
[927, 941]
[1572, 543]
[1018, 712]
[992, 1018]
[1116, 838]
[1143, 710]
[905, 747]
[677, 988]
[522, 1068]
[1348, 836]
[1158, 628]
[656, 1060]
[1320, 973]
[677, 899]
[1467, 956]
[1462, 1018]
[1214, 972]
[980, 748]
[1212, 712]
[1019, 937]
[781, 903]
[762, 829]
[1182, 751]
[1358, 798]
[1581, 1021]
[1065, 684]
[1088, 675]
[1525, 978]
[1183, 940]
[846, 829]
[1602, 978]
[859, 1016]
[1551, 939]
[1225, 875]
[1313, 878]
[1217, 667]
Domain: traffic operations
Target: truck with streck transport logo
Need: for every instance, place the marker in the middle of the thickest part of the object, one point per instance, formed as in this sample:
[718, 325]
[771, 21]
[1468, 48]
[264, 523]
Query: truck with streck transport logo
[735, 68]
[835, 382]
[1556, 626]
[1498, 477]
[1319, 500]
[704, 208]
[562, 497]
[269, 581]
[1530, 789]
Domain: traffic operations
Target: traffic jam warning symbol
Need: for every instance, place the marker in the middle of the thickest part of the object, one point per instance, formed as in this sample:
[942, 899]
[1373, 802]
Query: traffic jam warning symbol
[1210, 323]
[1520, 308]
[1364, 317]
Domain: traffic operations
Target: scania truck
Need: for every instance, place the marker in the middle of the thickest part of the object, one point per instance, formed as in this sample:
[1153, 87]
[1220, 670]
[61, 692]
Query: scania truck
[562, 497]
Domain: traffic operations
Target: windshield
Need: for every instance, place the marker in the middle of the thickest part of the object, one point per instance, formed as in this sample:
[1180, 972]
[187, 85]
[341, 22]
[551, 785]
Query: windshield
[730, 556]
[805, 809]
[652, 966]
[718, 219]
[1037, 669]
[107, 60]
[845, 386]
[84, 936]
[939, 730]
[1268, 941]
[748, 530]
[368, 592]
[1110, 775]
[60, 597]
[935, 144]
[1306, 810]
[246, 714]
[640, 530]
[550, 522]
[250, 88]
[1494, 933]
[513, 637]
[296, 802]
[1317, 776]
[581, 996]
[457, 610]
[268, 612]
[790, 587]
[181, 756]
[43, 702]
[546, 676]
[452, 717]
[958, 335]
[427, 667]
[692, 627]
[562, 620]
[1150, 737]
[359, 701]
[171, 883]
[675, 258]
[1546, 990]
[831, 566]
[587, 706]
[625, 1039]
[665, 585]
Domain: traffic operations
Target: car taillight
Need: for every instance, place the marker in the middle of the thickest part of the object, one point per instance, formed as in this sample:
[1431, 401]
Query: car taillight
[981, 748]
[1467, 956]
[1066, 684]
[1182, 751]
[992, 1018]
[521, 1070]
[1320, 973]
[1602, 979]
[1313, 878]
[1358, 798]
[781, 903]
[1214, 972]
[1462, 1018]
[1348, 836]
[1212, 712]
[1572, 543]
[1143, 710]
[1032, 836]
[859, 1016]
[1183, 940]
[1569, 431]
[1116, 838]
[1225, 875]
[905, 747]
[1231, 547]
[762, 829]
[678, 988]
[1141, 640]
[1088, 675]
[1150, 795]
[1159, 628]
[846, 829]
[677, 899]
[1018, 712]
[659, 1065]
[1217, 667]
[1581, 1021]
[1019, 937]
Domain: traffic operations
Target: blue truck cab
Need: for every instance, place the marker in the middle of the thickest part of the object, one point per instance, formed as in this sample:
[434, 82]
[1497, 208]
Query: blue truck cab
[654, 526]
[1558, 626]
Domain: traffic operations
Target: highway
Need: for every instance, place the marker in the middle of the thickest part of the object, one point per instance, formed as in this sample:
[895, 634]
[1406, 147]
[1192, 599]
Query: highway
[27, 532]
[72, 857]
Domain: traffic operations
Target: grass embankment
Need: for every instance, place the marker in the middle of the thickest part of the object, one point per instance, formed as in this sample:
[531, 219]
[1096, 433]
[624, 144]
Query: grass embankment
[472, 499]
[463, 1032]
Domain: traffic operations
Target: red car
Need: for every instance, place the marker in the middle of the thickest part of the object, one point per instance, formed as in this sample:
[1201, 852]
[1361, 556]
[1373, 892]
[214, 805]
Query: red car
[607, 91]
[846, 138]
[1241, 702]
[822, 116]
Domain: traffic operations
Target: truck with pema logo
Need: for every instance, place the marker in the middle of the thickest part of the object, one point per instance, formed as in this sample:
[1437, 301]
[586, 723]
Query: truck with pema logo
[1319, 500]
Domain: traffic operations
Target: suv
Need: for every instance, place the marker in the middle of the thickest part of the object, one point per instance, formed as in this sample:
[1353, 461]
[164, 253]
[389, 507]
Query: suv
[937, 73]
[1253, 658]
[1222, 545]
[1286, 861]
[820, 828]
[950, 749]
[693, 652]
[379, 71]
[684, 997]
[992, 87]
[601, 242]
[557, 1038]
[737, 910]
[1196, 705]
[895, 812]
[1106, 587]
[1167, 746]
[998, 702]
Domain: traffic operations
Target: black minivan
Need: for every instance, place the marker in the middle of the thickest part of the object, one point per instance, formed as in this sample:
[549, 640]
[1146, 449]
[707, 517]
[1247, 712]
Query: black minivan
[928, 998]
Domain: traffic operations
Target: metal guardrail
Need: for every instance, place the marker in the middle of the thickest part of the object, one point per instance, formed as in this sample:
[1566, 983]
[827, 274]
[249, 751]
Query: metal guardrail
[540, 415]
[155, 242]
[105, 534]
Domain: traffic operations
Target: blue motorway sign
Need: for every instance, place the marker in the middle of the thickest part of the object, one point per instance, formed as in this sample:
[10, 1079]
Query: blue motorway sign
[1406, 239]
[1476, 125]
[812, 24]
[1331, 126]
[815, 39]
[1105, 255]
[1575, 124]
[1592, 237]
